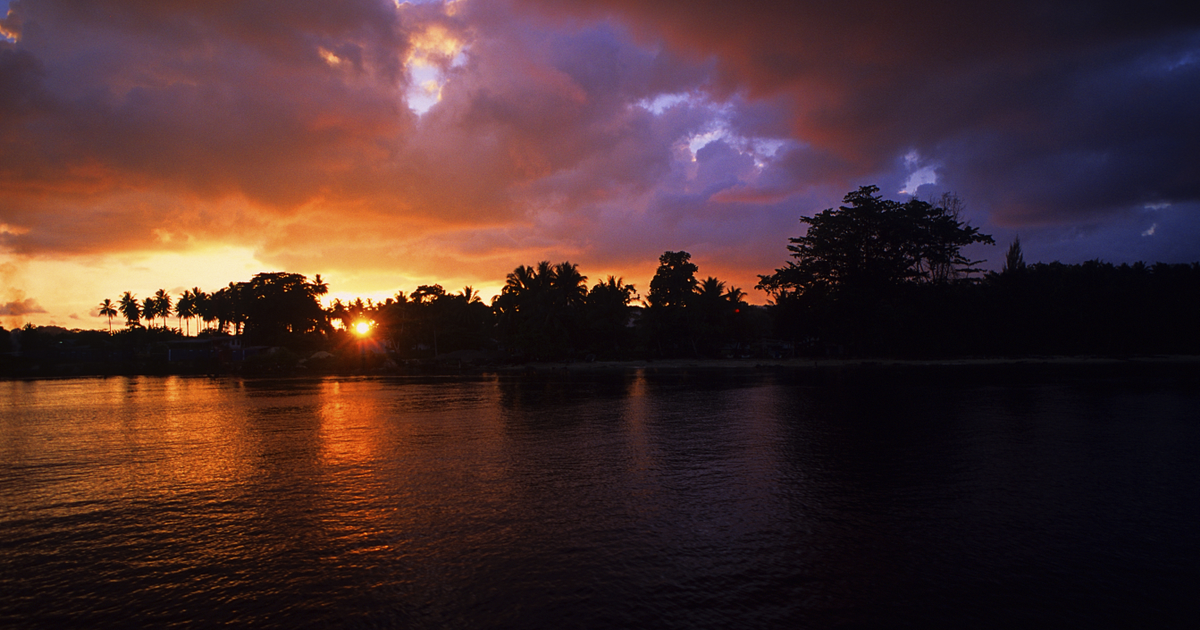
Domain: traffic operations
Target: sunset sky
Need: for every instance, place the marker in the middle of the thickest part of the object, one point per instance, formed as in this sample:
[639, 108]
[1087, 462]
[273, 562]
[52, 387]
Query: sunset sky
[149, 144]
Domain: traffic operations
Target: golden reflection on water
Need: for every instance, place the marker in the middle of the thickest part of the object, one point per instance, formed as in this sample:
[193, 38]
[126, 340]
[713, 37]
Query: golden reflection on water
[135, 437]
[369, 470]
[636, 411]
[609, 501]
[401, 463]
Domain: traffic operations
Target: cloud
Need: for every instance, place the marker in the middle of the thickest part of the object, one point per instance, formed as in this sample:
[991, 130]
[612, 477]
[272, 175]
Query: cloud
[21, 308]
[1043, 112]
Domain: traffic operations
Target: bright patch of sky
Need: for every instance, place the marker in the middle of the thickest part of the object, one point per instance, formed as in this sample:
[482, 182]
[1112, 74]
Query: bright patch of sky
[1150, 232]
[329, 57]
[919, 173]
[5, 35]
[662, 102]
[764, 148]
[69, 290]
[434, 51]
[425, 87]
[718, 128]
[701, 140]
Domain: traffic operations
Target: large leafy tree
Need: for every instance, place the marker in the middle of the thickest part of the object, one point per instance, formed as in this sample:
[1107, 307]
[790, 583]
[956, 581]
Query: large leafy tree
[871, 244]
[674, 282]
[866, 273]
[672, 292]
[278, 304]
[227, 306]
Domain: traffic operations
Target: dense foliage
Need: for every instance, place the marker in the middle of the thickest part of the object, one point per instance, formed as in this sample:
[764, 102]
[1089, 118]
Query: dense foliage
[871, 278]
[872, 245]
[877, 277]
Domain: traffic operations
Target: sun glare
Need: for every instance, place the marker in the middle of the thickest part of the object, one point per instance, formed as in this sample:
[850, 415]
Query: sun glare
[362, 328]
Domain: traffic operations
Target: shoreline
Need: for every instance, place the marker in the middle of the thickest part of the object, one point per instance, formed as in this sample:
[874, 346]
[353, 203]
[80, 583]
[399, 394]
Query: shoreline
[951, 369]
[869, 363]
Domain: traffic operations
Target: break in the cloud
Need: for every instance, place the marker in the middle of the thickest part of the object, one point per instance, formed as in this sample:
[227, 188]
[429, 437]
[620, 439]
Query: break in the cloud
[387, 144]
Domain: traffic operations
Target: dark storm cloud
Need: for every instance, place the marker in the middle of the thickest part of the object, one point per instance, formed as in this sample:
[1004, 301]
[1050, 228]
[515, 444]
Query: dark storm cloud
[1043, 112]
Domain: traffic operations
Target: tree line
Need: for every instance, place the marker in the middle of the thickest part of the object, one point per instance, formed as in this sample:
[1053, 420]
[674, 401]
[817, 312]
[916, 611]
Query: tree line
[274, 302]
[883, 278]
[873, 277]
[544, 311]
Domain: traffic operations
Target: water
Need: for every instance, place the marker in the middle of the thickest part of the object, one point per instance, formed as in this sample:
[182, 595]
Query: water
[611, 500]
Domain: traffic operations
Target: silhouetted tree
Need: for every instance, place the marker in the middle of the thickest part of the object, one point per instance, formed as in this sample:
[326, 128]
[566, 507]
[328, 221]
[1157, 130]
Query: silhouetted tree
[162, 306]
[672, 290]
[1014, 260]
[848, 281]
[674, 281]
[711, 313]
[109, 310]
[338, 311]
[319, 286]
[228, 307]
[280, 304]
[607, 314]
[130, 309]
[539, 310]
[185, 309]
[425, 304]
[872, 244]
[150, 311]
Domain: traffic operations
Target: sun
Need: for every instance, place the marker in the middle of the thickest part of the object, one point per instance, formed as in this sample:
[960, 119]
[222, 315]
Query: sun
[362, 328]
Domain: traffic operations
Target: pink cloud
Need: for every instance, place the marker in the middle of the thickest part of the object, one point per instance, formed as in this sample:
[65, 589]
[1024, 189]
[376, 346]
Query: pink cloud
[20, 308]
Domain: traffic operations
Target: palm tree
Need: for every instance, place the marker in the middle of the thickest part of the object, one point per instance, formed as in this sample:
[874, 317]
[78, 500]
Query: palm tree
[185, 308]
[471, 296]
[569, 286]
[150, 311]
[318, 286]
[521, 280]
[162, 301]
[130, 309]
[606, 315]
[710, 291]
[708, 315]
[735, 296]
[205, 308]
[109, 310]
[338, 311]
[229, 307]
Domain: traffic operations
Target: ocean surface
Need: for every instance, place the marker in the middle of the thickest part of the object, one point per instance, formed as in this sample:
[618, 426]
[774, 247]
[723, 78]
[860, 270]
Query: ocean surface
[602, 500]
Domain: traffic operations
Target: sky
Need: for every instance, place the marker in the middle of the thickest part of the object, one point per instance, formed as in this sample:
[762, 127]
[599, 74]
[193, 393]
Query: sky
[171, 144]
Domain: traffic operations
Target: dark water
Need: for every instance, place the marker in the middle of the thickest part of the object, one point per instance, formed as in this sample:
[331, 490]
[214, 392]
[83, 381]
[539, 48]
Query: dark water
[618, 500]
